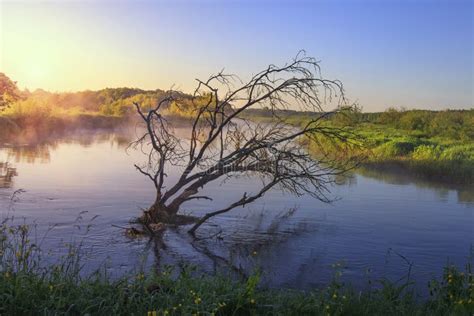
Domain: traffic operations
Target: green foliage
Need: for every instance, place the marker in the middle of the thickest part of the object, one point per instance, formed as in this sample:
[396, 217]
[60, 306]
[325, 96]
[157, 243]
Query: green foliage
[427, 152]
[9, 92]
[112, 102]
[347, 116]
[458, 153]
[454, 124]
[394, 148]
[390, 116]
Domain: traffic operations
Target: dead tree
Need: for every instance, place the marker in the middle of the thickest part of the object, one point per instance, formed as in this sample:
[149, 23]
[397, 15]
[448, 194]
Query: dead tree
[225, 142]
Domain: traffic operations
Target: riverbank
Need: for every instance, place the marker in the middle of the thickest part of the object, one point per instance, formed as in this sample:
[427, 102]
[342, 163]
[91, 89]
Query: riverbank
[432, 145]
[439, 159]
[59, 292]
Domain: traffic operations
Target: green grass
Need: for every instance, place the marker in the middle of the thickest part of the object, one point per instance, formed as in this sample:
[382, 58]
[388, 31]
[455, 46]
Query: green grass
[428, 144]
[27, 287]
[440, 158]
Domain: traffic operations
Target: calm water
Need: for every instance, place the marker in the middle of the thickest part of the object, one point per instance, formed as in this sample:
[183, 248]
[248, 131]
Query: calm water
[90, 180]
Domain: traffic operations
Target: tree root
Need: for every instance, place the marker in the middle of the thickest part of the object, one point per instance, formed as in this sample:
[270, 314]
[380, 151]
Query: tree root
[148, 227]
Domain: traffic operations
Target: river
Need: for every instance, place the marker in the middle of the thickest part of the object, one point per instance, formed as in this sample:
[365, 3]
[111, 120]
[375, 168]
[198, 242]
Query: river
[83, 188]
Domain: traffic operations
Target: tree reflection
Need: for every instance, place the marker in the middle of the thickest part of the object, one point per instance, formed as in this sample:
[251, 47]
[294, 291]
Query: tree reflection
[31, 154]
[235, 251]
[398, 176]
[41, 152]
[6, 175]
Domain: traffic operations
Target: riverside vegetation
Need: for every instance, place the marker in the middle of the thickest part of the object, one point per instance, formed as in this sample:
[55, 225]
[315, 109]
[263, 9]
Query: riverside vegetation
[438, 145]
[33, 116]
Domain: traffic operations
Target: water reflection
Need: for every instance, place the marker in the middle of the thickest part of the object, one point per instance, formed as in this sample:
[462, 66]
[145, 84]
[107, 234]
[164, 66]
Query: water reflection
[397, 176]
[237, 248]
[6, 175]
[41, 152]
[30, 154]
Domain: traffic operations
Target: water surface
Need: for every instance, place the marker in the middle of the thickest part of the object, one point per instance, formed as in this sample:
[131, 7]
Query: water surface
[377, 218]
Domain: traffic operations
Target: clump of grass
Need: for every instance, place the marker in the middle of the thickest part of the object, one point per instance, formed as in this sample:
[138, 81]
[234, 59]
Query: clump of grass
[29, 287]
[394, 148]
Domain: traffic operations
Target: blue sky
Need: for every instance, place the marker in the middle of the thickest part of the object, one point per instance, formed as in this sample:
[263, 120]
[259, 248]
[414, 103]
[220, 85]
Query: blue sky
[416, 54]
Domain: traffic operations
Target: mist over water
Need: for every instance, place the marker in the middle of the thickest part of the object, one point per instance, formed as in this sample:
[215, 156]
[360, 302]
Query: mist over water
[88, 179]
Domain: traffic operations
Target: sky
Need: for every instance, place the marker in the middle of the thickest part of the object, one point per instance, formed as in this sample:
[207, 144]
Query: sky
[402, 53]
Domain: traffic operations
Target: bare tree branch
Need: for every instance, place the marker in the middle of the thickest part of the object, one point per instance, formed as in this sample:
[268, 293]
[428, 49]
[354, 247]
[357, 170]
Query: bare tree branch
[224, 142]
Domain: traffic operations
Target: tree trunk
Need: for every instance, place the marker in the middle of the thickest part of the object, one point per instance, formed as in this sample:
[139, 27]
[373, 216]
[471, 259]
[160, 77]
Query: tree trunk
[159, 213]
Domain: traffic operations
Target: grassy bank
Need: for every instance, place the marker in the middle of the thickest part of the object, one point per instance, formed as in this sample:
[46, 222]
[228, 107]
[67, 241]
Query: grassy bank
[437, 145]
[28, 287]
[60, 293]
[439, 158]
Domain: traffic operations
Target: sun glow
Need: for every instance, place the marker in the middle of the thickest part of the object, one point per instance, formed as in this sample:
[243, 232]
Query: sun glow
[36, 72]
